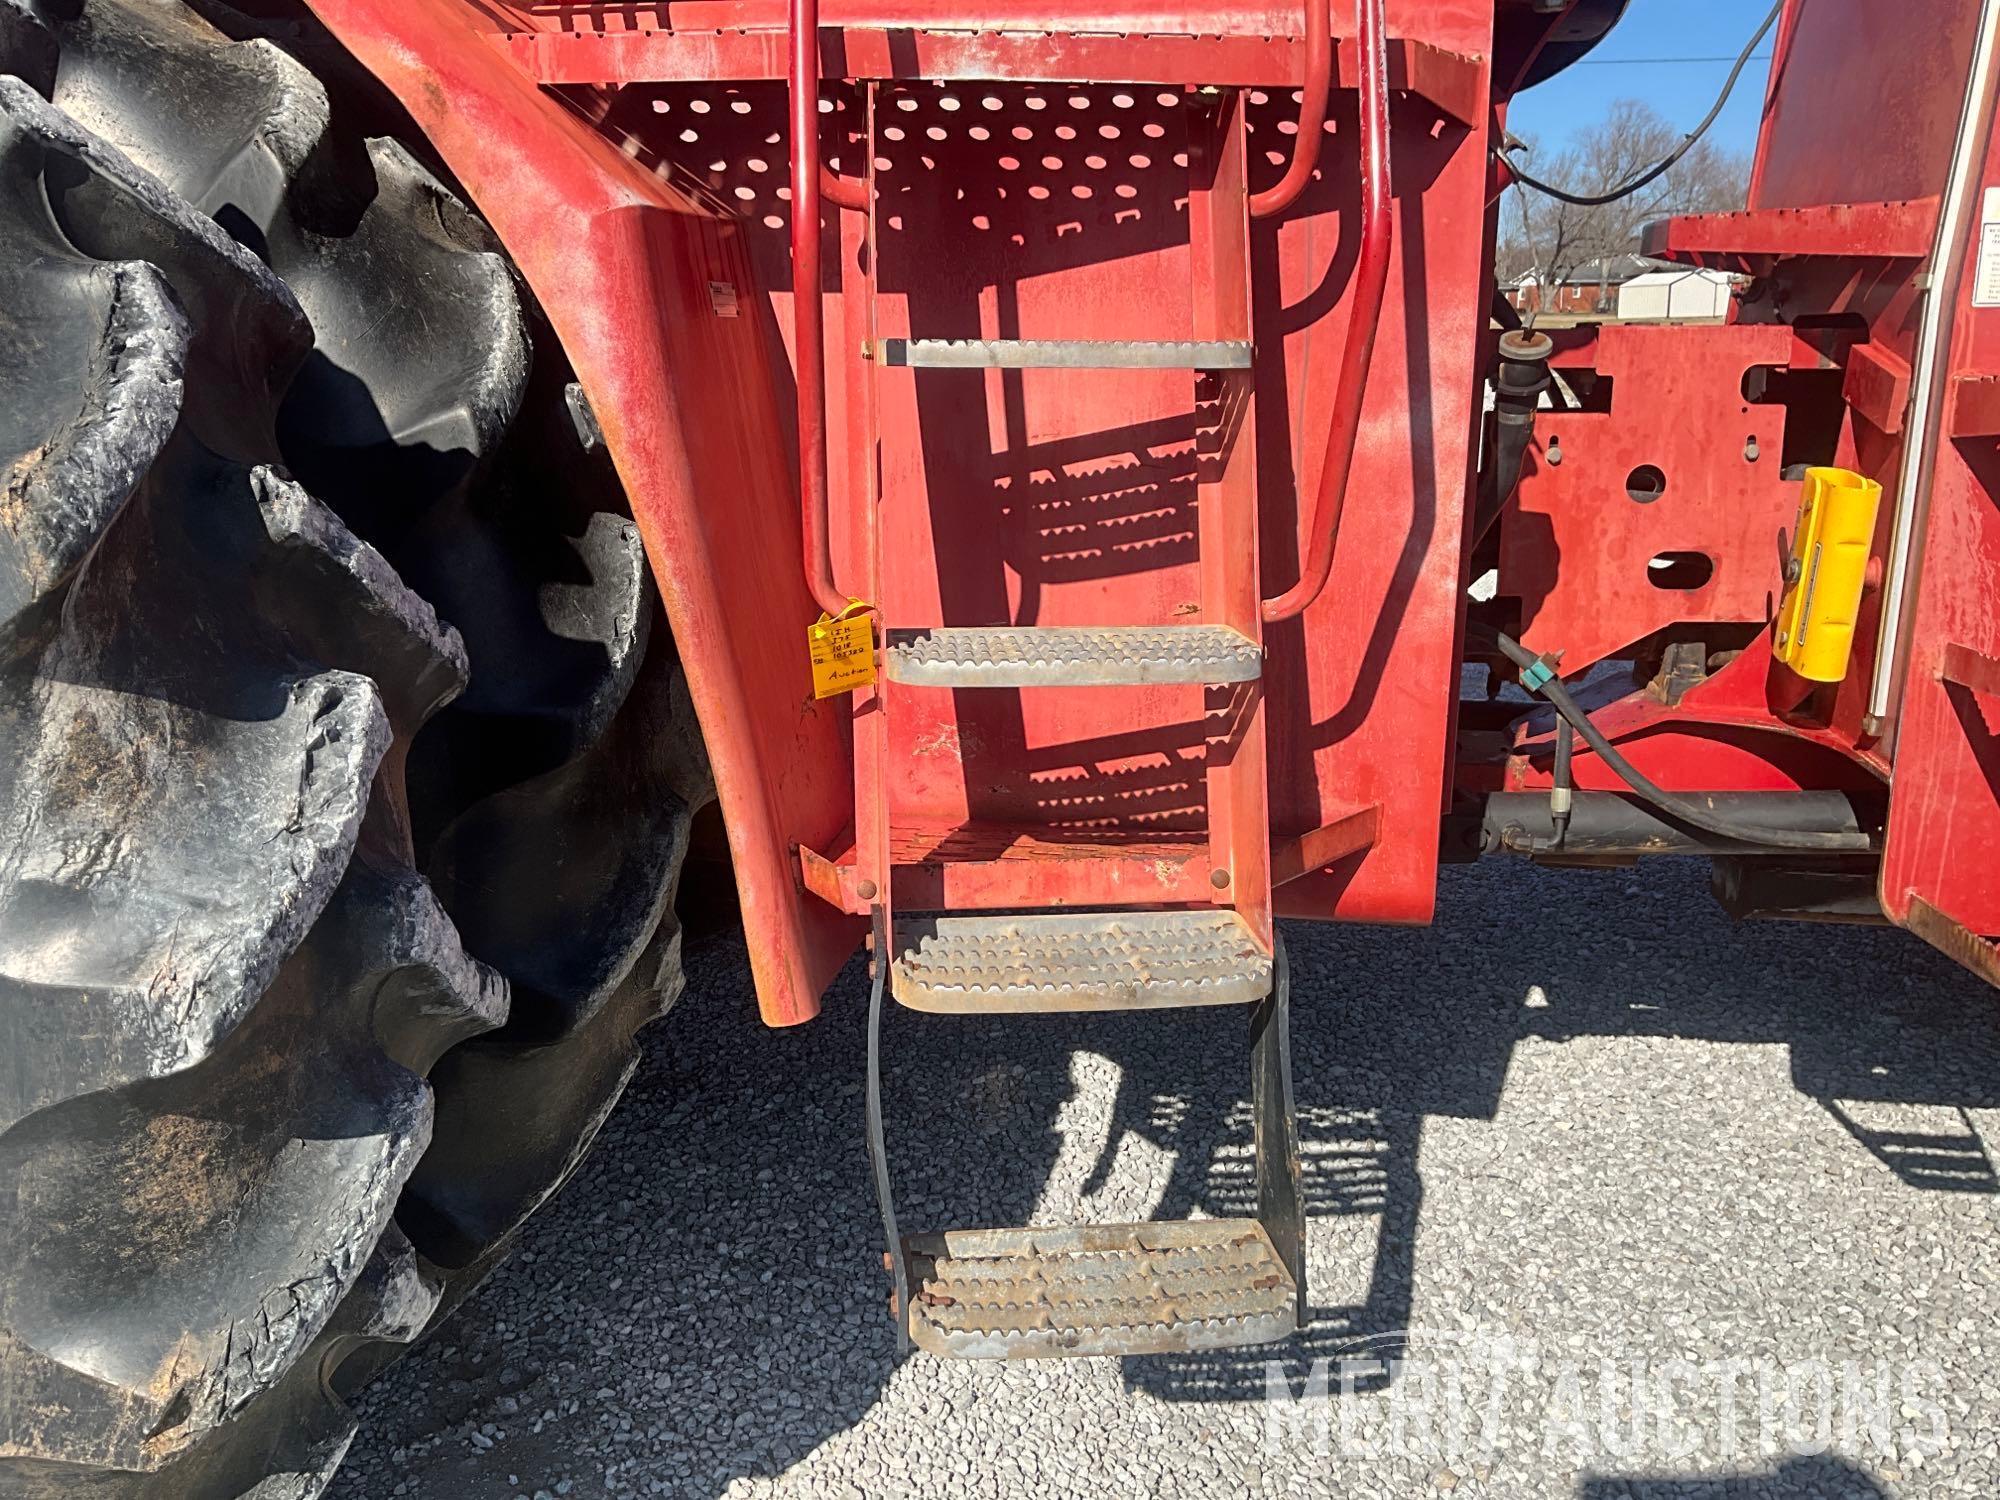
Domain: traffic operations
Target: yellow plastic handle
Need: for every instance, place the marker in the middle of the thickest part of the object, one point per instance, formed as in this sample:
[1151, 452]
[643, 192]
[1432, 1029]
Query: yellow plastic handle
[1828, 568]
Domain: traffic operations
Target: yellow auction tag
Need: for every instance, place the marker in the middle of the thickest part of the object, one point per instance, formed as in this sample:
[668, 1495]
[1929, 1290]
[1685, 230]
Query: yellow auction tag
[842, 648]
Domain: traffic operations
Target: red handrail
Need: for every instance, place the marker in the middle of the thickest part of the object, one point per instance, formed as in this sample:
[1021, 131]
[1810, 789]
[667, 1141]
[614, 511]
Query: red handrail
[808, 317]
[1371, 279]
[1312, 115]
[842, 192]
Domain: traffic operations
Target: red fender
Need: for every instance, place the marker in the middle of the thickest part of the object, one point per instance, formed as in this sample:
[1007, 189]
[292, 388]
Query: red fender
[642, 285]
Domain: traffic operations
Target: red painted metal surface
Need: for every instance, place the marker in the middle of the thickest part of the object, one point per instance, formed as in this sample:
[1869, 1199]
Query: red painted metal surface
[842, 192]
[974, 867]
[1862, 103]
[1839, 226]
[1974, 407]
[1741, 730]
[1944, 816]
[1670, 461]
[1097, 488]
[1063, 171]
[1363, 683]
[1454, 81]
[1350, 834]
[1229, 486]
[975, 818]
[1756, 239]
[1818, 155]
[1462, 27]
[1877, 386]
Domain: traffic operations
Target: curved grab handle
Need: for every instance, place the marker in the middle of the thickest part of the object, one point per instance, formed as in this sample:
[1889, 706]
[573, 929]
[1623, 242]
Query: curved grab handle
[842, 192]
[810, 180]
[1312, 115]
[1371, 279]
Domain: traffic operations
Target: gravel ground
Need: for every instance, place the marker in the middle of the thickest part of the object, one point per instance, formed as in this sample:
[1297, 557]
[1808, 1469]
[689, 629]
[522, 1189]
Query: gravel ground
[1610, 1198]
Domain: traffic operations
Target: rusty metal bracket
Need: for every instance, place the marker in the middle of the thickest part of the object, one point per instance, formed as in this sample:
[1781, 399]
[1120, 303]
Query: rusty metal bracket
[1954, 940]
[1334, 840]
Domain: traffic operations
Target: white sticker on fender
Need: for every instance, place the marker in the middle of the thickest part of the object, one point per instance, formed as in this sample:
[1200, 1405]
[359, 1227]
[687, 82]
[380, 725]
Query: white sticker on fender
[1986, 283]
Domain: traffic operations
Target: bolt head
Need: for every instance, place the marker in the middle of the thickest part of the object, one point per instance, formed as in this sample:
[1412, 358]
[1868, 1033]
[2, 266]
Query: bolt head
[1219, 879]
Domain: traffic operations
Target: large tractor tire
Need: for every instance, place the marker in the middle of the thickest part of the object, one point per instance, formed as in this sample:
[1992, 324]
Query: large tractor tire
[345, 765]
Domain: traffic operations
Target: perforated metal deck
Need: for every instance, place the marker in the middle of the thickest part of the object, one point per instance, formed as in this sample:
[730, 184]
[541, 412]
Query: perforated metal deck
[1139, 960]
[1097, 1289]
[1033, 656]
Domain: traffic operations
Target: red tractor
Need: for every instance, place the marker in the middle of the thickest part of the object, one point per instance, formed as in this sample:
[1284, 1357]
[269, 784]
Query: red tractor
[1027, 468]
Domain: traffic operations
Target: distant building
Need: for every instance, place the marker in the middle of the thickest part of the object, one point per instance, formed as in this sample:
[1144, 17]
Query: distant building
[1678, 293]
[1627, 287]
[1589, 290]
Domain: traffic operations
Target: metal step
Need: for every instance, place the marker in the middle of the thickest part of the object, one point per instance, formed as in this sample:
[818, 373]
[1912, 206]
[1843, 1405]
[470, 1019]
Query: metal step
[1067, 354]
[1140, 960]
[1001, 656]
[1098, 1289]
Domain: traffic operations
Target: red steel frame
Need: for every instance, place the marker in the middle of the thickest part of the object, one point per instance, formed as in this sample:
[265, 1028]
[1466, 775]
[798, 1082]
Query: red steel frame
[1838, 238]
[809, 180]
[616, 150]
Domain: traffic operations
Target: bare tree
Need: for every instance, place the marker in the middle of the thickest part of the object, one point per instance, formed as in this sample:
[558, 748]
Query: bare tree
[1551, 239]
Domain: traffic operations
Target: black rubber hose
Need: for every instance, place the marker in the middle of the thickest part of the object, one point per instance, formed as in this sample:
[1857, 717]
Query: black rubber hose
[1565, 783]
[1632, 185]
[1520, 378]
[1675, 806]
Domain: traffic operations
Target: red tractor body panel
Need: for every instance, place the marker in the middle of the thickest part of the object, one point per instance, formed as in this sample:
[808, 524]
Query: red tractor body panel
[1059, 172]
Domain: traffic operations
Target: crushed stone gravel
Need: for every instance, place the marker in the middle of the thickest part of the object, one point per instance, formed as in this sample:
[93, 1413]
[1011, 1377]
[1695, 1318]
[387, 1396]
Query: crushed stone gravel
[1611, 1199]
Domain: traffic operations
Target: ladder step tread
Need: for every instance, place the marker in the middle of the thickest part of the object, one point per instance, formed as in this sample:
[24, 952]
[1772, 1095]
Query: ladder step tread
[1077, 961]
[1072, 354]
[1097, 1289]
[1065, 656]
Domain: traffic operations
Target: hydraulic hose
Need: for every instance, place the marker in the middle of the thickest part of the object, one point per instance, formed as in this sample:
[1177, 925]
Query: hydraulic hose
[1538, 678]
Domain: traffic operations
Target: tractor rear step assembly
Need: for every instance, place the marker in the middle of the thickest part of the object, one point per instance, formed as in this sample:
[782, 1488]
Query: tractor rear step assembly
[1148, 1288]
[1091, 914]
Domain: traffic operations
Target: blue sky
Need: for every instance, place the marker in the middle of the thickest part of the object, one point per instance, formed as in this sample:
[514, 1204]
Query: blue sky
[1630, 64]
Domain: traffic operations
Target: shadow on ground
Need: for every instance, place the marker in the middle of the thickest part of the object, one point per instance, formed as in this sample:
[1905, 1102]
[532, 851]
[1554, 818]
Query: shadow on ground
[1819, 1478]
[754, 1311]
